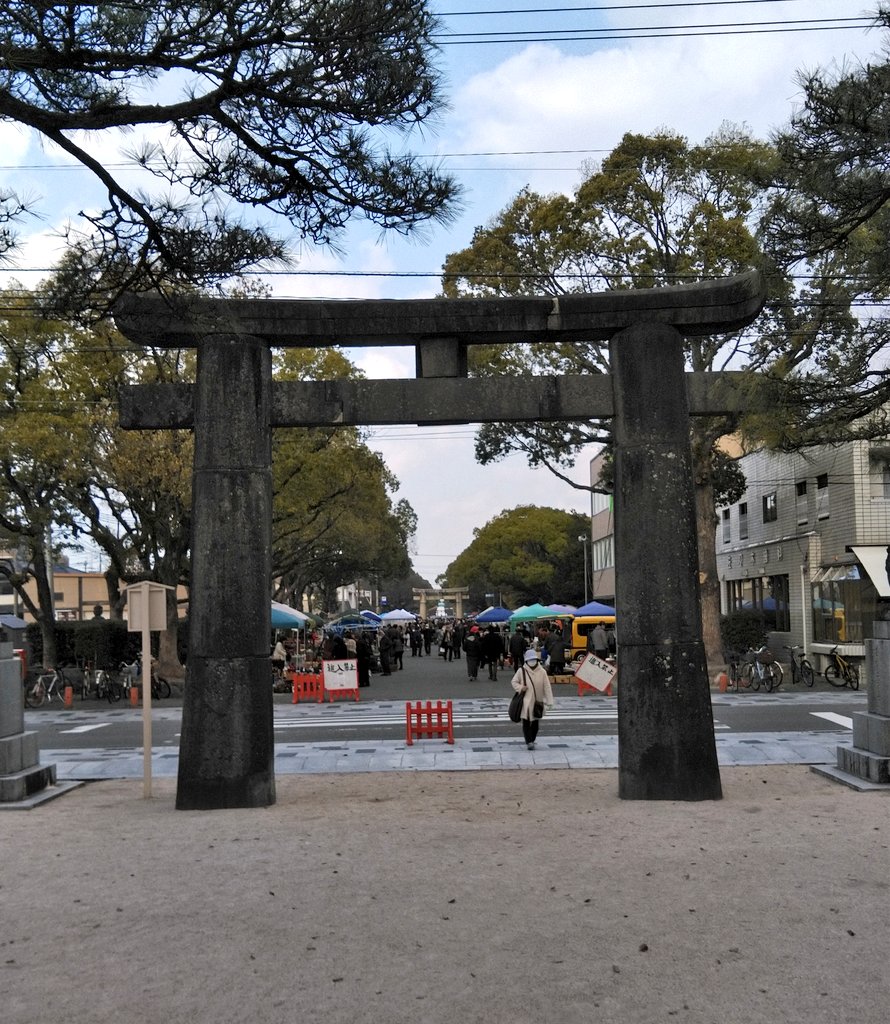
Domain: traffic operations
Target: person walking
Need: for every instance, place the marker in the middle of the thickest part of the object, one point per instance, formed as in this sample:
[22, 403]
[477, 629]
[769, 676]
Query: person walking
[556, 649]
[457, 638]
[384, 646]
[598, 642]
[492, 651]
[447, 642]
[531, 679]
[518, 647]
[473, 651]
[398, 648]
[363, 659]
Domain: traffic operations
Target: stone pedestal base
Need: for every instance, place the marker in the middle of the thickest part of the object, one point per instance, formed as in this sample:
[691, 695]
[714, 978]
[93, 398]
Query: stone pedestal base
[866, 765]
[23, 780]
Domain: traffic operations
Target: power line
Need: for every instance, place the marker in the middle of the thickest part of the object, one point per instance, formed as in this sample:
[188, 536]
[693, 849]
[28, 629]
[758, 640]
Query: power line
[743, 27]
[613, 7]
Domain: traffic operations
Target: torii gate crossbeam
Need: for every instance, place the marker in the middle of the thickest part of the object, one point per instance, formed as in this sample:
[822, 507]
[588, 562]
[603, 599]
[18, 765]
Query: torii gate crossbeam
[666, 737]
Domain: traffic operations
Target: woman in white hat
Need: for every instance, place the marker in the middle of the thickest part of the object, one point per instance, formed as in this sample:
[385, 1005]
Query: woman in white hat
[531, 679]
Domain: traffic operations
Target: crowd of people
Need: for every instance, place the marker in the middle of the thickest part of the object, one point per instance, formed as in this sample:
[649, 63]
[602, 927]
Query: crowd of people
[535, 653]
[487, 648]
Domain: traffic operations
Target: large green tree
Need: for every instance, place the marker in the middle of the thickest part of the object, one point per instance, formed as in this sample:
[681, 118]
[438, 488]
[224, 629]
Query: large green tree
[41, 444]
[527, 554]
[71, 472]
[657, 211]
[831, 204]
[253, 110]
[334, 517]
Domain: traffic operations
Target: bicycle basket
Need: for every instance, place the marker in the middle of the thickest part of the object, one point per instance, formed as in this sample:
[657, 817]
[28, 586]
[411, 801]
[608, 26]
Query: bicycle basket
[765, 657]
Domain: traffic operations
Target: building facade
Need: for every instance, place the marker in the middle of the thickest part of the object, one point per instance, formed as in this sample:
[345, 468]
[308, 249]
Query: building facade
[807, 543]
[602, 538]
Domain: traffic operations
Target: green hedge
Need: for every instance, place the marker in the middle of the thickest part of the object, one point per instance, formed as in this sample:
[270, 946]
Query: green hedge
[103, 643]
[743, 630]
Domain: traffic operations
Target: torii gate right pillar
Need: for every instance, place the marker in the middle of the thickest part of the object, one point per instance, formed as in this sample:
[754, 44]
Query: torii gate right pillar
[666, 745]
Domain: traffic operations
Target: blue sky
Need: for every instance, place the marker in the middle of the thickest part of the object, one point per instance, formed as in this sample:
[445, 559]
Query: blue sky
[529, 111]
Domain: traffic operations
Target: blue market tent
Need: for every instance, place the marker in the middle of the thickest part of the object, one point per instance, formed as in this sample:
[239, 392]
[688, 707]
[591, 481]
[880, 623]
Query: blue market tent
[561, 610]
[285, 617]
[494, 614]
[594, 608]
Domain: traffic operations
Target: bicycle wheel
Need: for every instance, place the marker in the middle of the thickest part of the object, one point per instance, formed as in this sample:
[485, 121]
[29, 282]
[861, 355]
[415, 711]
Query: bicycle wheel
[35, 694]
[775, 674]
[806, 672]
[853, 676]
[752, 679]
[114, 690]
[834, 677]
[160, 688]
[732, 676]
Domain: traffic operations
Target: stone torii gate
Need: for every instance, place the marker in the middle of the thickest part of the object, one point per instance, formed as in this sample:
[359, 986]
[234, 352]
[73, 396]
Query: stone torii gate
[424, 594]
[665, 726]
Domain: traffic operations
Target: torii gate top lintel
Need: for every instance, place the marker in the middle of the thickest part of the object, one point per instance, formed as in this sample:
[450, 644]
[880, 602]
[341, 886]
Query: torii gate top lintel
[703, 308]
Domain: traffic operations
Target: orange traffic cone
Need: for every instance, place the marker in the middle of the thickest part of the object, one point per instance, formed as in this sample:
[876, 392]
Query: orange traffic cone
[69, 696]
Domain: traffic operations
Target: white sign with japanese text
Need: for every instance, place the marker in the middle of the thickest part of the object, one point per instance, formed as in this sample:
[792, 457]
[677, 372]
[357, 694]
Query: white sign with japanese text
[595, 672]
[341, 674]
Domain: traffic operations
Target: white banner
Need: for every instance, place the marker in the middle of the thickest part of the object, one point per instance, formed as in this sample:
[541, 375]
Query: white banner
[341, 674]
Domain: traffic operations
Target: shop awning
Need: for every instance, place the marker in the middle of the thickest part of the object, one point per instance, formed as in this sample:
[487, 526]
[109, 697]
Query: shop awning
[874, 559]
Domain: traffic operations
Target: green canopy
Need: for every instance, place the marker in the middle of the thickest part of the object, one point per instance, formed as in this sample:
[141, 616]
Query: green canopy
[530, 612]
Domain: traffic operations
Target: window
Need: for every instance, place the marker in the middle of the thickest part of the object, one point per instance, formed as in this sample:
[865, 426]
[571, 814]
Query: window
[843, 603]
[822, 509]
[802, 511]
[602, 553]
[768, 595]
[727, 534]
[743, 520]
[880, 480]
[600, 503]
[770, 507]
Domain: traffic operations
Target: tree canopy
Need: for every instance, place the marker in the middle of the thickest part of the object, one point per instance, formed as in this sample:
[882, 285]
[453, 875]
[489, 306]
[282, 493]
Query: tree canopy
[249, 107]
[526, 554]
[831, 207]
[658, 211]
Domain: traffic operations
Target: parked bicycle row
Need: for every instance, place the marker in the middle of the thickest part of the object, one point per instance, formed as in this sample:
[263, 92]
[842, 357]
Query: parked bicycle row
[48, 684]
[760, 668]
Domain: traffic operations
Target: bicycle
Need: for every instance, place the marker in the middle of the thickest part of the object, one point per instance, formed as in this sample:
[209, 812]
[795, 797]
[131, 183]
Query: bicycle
[107, 686]
[801, 669]
[733, 671]
[840, 669]
[762, 669]
[132, 673]
[48, 684]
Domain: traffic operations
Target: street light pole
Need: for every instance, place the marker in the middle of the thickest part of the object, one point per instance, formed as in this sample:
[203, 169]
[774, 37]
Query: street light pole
[583, 539]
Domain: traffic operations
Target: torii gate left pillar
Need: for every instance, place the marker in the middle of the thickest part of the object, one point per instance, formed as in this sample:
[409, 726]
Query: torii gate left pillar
[230, 764]
[666, 739]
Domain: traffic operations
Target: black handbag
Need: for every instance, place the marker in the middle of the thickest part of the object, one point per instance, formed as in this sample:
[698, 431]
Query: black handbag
[538, 706]
[516, 707]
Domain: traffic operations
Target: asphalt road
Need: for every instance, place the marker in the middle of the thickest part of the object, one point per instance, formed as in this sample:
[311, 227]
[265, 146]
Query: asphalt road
[479, 710]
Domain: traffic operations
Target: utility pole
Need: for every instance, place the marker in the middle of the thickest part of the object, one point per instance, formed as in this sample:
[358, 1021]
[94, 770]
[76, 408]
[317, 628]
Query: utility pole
[583, 538]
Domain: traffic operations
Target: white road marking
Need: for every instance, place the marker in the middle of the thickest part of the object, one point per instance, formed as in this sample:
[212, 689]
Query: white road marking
[830, 716]
[86, 728]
